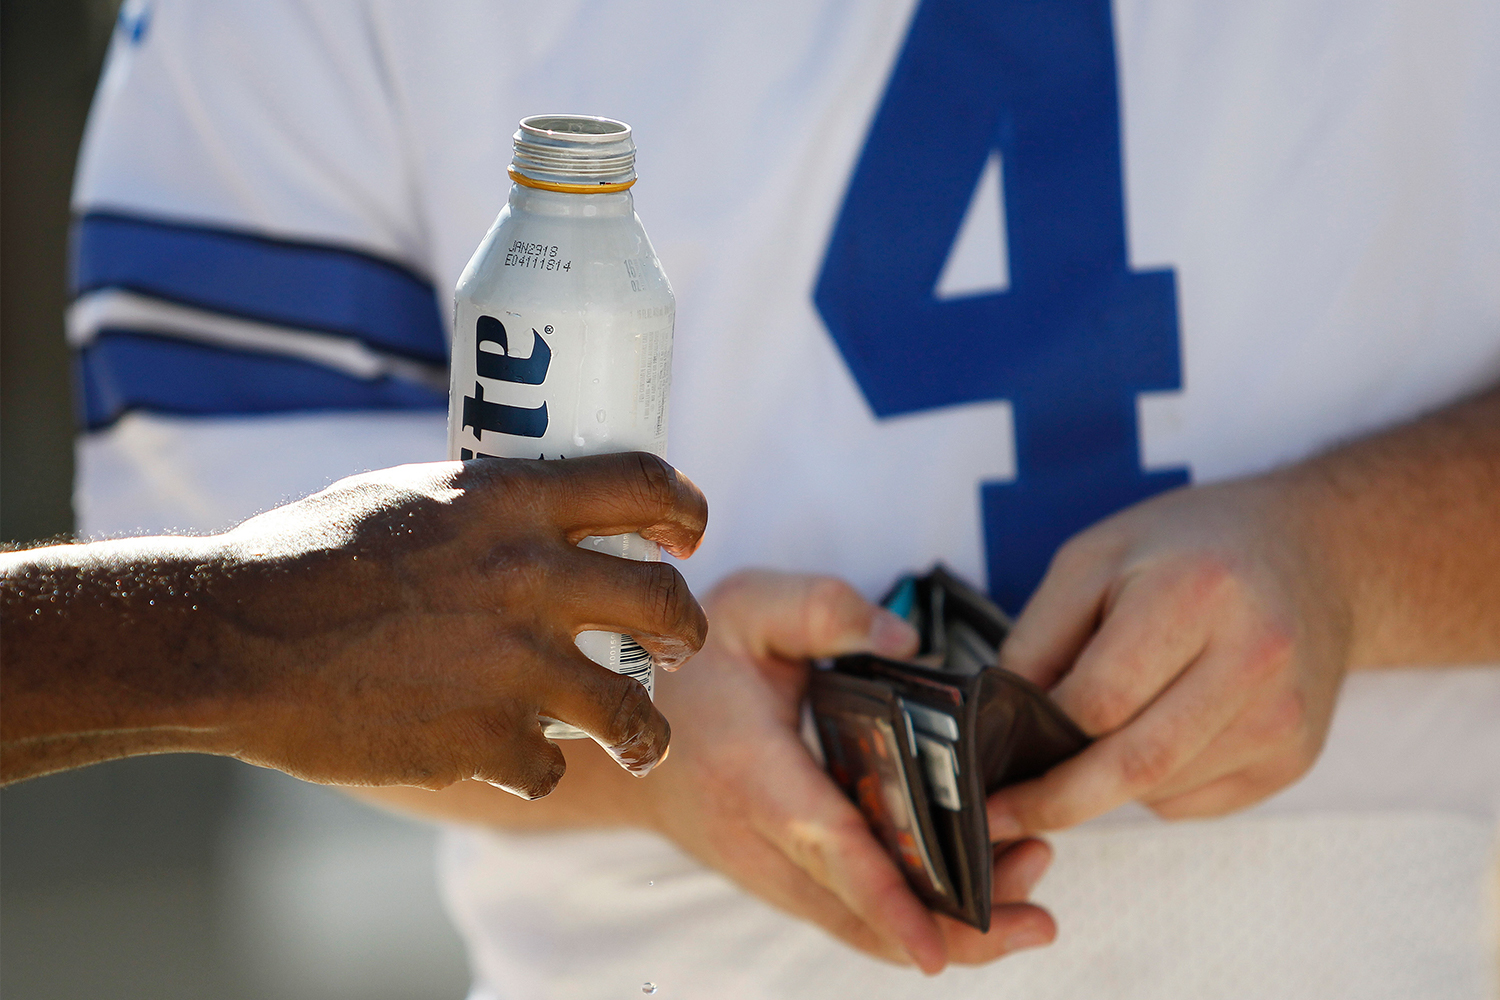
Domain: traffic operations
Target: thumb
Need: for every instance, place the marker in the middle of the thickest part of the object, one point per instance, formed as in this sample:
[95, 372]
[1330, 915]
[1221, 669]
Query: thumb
[796, 616]
[1059, 618]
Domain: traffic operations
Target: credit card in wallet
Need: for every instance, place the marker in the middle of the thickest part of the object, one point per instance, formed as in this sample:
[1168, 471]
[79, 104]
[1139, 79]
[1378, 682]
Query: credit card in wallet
[918, 745]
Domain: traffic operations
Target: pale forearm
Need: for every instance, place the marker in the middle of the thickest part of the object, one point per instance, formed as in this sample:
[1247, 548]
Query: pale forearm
[1409, 522]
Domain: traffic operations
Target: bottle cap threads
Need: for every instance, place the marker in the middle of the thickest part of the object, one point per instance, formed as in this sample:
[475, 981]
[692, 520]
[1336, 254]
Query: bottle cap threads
[574, 153]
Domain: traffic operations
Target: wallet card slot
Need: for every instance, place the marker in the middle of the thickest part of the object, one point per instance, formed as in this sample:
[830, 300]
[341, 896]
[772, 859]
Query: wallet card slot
[859, 724]
[911, 733]
[930, 720]
[968, 651]
[937, 709]
[902, 806]
[940, 764]
[919, 744]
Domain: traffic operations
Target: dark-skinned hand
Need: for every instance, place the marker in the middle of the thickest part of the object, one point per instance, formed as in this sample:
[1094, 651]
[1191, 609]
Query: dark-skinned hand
[402, 627]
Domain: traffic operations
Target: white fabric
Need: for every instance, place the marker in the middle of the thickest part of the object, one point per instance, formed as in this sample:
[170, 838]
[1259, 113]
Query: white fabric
[1304, 320]
[151, 474]
[1321, 175]
[1316, 907]
[1373, 877]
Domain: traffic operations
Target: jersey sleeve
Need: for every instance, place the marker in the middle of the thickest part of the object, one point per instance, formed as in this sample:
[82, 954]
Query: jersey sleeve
[246, 237]
[254, 314]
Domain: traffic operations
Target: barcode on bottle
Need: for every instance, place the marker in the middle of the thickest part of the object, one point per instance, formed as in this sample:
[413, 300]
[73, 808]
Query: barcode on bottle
[635, 662]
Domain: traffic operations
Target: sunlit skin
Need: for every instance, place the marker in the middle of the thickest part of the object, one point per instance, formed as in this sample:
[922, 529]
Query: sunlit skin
[401, 627]
[1202, 635]
[744, 795]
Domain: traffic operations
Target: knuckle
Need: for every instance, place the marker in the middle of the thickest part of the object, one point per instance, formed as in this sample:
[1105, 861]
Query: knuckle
[512, 484]
[434, 772]
[1103, 708]
[1268, 656]
[544, 775]
[1147, 762]
[496, 732]
[632, 709]
[831, 606]
[1210, 580]
[666, 595]
[1074, 554]
[655, 481]
[1103, 542]
[433, 781]
[515, 755]
[434, 778]
[519, 570]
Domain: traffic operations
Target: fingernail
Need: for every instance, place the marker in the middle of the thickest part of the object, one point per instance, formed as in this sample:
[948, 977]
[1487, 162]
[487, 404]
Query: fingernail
[636, 766]
[892, 635]
[1003, 825]
[635, 756]
[1027, 937]
[640, 771]
[931, 967]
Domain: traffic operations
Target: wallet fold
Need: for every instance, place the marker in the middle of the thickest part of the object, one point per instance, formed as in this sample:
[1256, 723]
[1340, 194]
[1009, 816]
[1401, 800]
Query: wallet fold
[918, 745]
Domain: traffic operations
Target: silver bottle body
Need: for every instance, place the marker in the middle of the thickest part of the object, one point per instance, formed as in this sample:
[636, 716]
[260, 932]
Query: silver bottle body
[562, 347]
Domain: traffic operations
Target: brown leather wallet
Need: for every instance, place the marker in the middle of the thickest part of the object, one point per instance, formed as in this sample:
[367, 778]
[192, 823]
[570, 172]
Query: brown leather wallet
[919, 745]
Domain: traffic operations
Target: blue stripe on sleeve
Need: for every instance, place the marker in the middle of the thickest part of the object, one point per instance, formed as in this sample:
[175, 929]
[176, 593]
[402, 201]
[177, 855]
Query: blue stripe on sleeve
[288, 283]
[126, 370]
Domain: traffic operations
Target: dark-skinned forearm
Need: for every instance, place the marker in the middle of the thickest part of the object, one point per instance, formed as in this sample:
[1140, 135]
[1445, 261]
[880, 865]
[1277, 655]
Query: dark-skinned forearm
[107, 654]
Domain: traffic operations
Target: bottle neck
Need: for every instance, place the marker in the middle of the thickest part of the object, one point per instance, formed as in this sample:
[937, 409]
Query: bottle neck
[573, 206]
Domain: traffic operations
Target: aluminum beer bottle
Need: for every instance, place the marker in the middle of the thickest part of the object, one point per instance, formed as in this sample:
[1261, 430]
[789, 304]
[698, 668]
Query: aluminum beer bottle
[562, 329]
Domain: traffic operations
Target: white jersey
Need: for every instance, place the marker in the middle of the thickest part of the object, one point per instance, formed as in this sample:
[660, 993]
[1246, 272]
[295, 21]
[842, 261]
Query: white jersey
[955, 278]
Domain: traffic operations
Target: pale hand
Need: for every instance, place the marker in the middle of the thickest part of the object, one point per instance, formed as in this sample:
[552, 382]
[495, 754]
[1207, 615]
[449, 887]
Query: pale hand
[1198, 638]
[744, 794]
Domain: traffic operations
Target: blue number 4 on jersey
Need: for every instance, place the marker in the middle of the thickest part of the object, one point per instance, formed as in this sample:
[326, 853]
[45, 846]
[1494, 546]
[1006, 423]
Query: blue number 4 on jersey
[1072, 336]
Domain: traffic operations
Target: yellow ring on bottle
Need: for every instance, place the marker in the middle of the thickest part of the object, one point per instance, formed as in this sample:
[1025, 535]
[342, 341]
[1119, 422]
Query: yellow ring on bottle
[532, 182]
